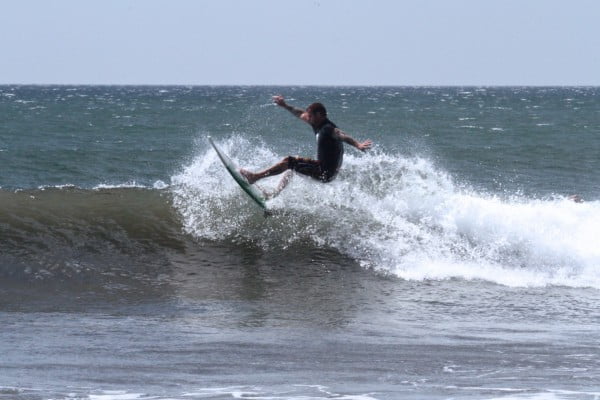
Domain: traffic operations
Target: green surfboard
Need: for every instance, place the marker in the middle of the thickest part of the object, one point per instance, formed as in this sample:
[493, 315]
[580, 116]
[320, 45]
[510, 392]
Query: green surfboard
[251, 190]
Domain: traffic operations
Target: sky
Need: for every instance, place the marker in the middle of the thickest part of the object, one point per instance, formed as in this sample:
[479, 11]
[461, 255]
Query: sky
[300, 42]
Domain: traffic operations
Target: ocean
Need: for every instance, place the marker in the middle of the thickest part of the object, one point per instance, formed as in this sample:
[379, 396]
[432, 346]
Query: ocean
[450, 261]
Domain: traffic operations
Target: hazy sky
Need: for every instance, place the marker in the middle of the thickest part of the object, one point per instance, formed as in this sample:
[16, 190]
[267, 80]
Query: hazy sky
[304, 42]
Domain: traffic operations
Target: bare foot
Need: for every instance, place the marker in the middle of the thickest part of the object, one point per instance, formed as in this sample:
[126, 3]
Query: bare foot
[250, 177]
[268, 195]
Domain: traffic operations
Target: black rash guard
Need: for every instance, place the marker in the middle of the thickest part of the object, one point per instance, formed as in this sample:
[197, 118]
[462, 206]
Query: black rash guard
[330, 150]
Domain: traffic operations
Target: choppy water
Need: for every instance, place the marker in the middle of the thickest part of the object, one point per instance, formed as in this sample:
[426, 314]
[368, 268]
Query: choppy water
[448, 262]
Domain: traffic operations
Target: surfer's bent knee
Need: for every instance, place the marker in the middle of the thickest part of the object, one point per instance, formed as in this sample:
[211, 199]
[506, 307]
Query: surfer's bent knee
[290, 161]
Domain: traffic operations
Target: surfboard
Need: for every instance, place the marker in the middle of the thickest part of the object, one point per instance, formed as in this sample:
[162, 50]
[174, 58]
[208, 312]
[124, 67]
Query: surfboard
[254, 193]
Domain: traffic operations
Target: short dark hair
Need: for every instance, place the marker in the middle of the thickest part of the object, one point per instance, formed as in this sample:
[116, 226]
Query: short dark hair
[315, 108]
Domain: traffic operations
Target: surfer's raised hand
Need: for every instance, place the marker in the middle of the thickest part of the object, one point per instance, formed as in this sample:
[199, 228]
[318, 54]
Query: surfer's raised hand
[279, 100]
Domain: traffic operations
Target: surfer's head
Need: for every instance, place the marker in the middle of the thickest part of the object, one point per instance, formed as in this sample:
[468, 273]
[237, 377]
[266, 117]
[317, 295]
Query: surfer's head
[314, 113]
[317, 108]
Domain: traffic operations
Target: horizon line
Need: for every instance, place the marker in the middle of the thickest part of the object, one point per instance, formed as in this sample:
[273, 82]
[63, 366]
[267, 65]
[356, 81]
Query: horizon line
[300, 85]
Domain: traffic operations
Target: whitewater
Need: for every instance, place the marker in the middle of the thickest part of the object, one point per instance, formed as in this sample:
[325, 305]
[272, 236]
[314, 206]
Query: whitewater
[402, 216]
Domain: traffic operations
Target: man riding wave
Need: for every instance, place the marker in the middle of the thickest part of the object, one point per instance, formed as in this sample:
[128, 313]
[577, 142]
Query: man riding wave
[330, 148]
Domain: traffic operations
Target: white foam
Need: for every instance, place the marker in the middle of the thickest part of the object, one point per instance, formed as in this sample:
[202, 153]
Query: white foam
[116, 395]
[131, 185]
[402, 216]
[159, 185]
[291, 392]
[549, 395]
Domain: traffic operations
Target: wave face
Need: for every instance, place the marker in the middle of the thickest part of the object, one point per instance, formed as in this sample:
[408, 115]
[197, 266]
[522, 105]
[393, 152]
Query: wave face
[402, 216]
[76, 234]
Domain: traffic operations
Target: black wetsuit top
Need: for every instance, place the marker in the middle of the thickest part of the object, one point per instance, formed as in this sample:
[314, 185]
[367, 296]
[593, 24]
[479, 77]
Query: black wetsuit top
[330, 149]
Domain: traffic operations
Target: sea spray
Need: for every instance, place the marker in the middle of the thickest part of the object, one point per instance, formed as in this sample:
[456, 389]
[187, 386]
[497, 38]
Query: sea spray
[403, 216]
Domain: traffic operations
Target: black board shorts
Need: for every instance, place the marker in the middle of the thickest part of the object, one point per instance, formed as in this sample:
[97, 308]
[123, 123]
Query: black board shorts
[310, 167]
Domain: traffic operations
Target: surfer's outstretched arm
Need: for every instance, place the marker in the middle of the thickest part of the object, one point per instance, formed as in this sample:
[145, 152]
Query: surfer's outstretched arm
[362, 146]
[280, 101]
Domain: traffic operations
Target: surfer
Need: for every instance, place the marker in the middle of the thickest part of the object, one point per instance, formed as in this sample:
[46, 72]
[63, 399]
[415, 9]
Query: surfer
[330, 148]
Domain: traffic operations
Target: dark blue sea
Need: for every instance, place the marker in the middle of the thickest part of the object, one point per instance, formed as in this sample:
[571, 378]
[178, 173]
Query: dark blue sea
[459, 258]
